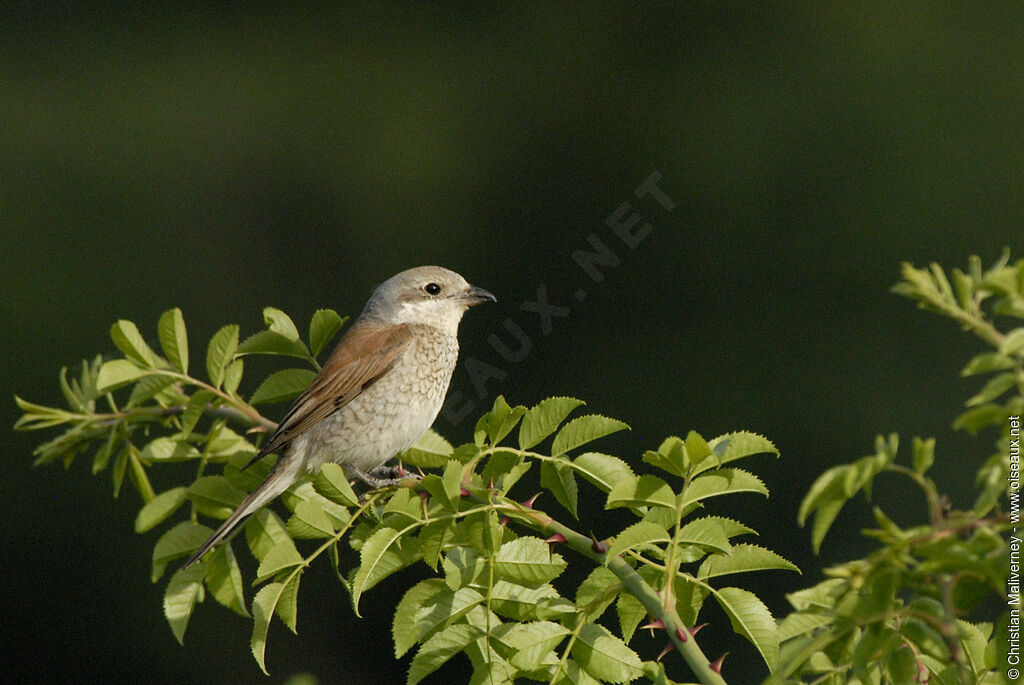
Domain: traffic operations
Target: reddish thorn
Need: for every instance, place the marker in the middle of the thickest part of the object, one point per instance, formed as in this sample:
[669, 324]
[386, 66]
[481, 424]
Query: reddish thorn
[490, 483]
[668, 648]
[463, 492]
[529, 503]
[401, 470]
[424, 495]
[682, 634]
[597, 545]
[717, 666]
[503, 521]
[656, 623]
[696, 629]
[555, 539]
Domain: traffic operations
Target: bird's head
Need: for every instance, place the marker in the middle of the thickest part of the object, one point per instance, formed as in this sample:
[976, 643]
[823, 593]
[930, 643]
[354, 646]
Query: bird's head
[429, 295]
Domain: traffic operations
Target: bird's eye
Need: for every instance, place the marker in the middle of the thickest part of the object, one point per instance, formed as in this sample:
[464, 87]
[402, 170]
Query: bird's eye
[432, 288]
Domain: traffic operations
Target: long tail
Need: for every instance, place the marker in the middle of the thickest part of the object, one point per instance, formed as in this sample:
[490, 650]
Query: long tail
[280, 479]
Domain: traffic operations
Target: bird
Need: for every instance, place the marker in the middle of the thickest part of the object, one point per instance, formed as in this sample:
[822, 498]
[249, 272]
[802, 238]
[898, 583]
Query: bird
[377, 394]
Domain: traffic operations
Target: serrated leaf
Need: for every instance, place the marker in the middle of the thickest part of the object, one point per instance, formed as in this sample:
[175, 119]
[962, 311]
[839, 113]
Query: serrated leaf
[263, 606]
[403, 625]
[584, 429]
[637, 535]
[174, 339]
[542, 420]
[288, 605]
[528, 561]
[522, 603]
[127, 338]
[642, 491]
[604, 656]
[178, 542]
[531, 642]
[214, 496]
[385, 552]
[738, 445]
[557, 477]
[630, 611]
[115, 373]
[263, 531]
[597, 591]
[721, 482]
[433, 539]
[430, 451]
[168, 450]
[224, 578]
[743, 558]
[279, 322]
[751, 619]
[150, 386]
[498, 422]
[156, 511]
[603, 470]
[220, 352]
[272, 342]
[704, 532]
[194, 410]
[281, 556]
[233, 376]
[180, 599]
[324, 325]
[282, 386]
[331, 482]
[310, 521]
[441, 647]
[697, 448]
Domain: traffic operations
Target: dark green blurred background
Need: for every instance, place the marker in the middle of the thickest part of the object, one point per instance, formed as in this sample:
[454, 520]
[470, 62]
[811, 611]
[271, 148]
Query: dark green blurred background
[225, 159]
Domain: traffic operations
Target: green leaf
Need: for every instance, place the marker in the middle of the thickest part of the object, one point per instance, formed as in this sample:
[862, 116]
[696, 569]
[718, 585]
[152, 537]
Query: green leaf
[180, 599]
[272, 342]
[995, 387]
[642, 491]
[127, 338]
[542, 420]
[973, 420]
[434, 538]
[498, 422]
[324, 325]
[1013, 342]
[282, 386]
[556, 476]
[697, 448]
[224, 579]
[158, 509]
[178, 542]
[115, 373]
[263, 531]
[704, 532]
[331, 482]
[521, 603]
[597, 591]
[987, 362]
[924, 454]
[233, 376]
[637, 535]
[385, 552]
[721, 482]
[214, 496]
[532, 642]
[168, 450]
[281, 556]
[197, 404]
[263, 606]
[431, 451]
[174, 339]
[288, 605]
[604, 656]
[150, 386]
[603, 470]
[743, 558]
[751, 619]
[403, 626]
[528, 561]
[584, 429]
[737, 445]
[630, 611]
[279, 322]
[670, 457]
[441, 647]
[220, 352]
[310, 521]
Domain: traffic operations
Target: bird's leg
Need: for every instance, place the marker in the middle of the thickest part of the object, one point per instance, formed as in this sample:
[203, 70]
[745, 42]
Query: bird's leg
[382, 476]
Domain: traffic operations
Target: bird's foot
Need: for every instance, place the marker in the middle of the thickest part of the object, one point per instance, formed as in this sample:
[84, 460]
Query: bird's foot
[383, 476]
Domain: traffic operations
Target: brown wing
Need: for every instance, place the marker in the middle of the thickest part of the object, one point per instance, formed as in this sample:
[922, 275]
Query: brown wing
[363, 355]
